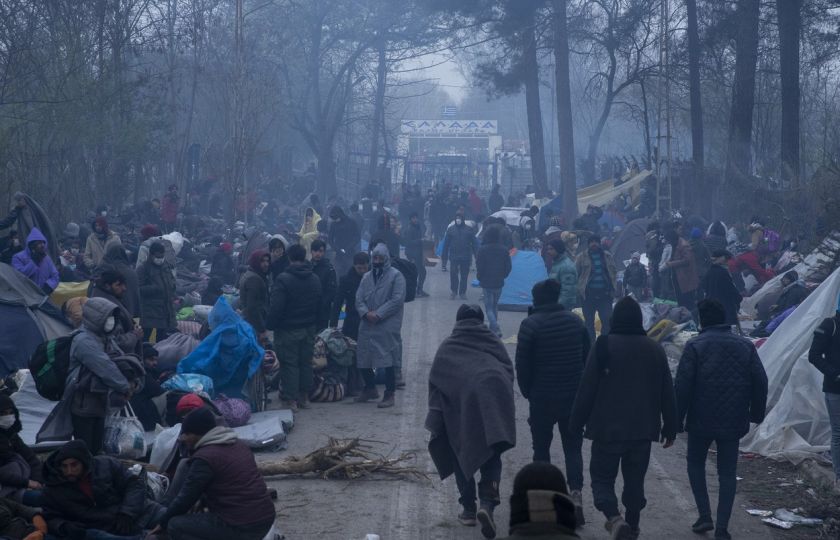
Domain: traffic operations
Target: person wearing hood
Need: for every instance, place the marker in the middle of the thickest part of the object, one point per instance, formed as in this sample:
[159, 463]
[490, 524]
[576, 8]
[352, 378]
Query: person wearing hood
[380, 301]
[293, 312]
[496, 200]
[98, 242]
[716, 237]
[223, 477]
[476, 205]
[87, 495]
[625, 401]
[345, 237]
[540, 506]
[720, 286]
[222, 266]
[310, 222]
[35, 263]
[824, 355]
[253, 292]
[793, 293]
[21, 475]
[323, 269]
[493, 266]
[412, 239]
[116, 259]
[472, 417]
[551, 351]
[721, 387]
[636, 277]
[92, 375]
[279, 259]
[596, 284]
[459, 248]
[111, 285]
[683, 268]
[157, 293]
[564, 271]
[169, 208]
[385, 234]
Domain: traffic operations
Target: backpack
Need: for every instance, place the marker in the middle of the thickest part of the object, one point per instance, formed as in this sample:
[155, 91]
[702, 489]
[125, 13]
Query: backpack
[49, 366]
[409, 272]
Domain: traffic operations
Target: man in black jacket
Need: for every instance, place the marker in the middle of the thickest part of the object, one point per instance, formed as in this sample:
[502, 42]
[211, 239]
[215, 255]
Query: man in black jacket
[721, 387]
[458, 247]
[293, 312]
[84, 494]
[495, 202]
[626, 401]
[412, 239]
[323, 268]
[345, 298]
[551, 352]
[825, 356]
[345, 238]
[492, 266]
[718, 285]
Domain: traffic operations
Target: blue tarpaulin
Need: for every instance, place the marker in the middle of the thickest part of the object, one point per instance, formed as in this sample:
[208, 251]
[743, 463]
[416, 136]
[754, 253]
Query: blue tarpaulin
[528, 268]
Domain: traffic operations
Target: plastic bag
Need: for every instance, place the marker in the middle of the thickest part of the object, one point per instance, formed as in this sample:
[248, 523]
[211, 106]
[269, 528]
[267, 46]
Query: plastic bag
[165, 447]
[156, 485]
[124, 435]
[236, 412]
[192, 383]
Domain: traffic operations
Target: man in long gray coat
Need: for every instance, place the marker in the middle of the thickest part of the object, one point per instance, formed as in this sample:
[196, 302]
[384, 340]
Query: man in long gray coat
[379, 301]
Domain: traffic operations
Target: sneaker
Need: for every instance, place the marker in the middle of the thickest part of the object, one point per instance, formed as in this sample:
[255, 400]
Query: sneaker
[367, 396]
[488, 526]
[619, 529]
[577, 498]
[722, 534]
[467, 518]
[703, 525]
[387, 401]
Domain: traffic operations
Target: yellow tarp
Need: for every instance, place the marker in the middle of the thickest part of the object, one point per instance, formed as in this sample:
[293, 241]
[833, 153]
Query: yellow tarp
[66, 291]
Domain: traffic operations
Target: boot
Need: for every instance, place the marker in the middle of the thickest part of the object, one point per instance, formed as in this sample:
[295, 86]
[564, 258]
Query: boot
[618, 528]
[367, 395]
[577, 498]
[387, 401]
[488, 526]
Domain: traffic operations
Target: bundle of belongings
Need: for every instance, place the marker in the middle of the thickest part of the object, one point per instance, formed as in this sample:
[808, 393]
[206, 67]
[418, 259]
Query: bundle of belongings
[334, 355]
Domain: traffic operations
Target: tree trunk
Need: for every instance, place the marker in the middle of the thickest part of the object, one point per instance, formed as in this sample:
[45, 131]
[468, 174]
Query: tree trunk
[327, 185]
[738, 156]
[695, 97]
[378, 113]
[646, 121]
[534, 111]
[568, 181]
[790, 21]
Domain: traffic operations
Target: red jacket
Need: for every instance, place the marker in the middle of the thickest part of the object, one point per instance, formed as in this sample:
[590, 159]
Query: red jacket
[750, 261]
[169, 208]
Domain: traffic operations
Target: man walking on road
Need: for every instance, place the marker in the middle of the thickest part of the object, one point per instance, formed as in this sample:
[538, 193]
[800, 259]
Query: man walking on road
[625, 400]
[458, 247]
[596, 285]
[471, 414]
[551, 351]
[493, 266]
[721, 387]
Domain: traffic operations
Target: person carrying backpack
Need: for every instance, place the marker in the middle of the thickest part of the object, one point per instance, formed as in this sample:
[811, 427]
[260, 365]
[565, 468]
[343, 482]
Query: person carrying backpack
[825, 356]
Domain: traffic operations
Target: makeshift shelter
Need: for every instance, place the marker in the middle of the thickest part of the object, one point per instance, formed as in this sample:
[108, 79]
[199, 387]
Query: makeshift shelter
[632, 238]
[28, 319]
[797, 424]
[603, 193]
[528, 268]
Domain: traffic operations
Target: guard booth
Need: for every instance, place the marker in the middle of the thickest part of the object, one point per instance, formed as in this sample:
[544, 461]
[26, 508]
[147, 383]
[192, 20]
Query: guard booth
[463, 152]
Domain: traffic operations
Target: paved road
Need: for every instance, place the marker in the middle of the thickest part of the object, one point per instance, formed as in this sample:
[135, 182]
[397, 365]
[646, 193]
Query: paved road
[342, 510]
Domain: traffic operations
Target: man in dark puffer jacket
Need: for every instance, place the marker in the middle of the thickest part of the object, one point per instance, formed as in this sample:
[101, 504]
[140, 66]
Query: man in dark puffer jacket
[721, 387]
[551, 352]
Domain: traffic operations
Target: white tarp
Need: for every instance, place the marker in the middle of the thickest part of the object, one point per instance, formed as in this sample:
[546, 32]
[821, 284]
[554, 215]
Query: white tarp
[604, 193]
[33, 410]
[796, 425]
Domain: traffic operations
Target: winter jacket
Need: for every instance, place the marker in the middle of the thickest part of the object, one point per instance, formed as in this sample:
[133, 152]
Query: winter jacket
[346, 297]
[43, 273]
[714, 243]
[345, 236]
[115, 491]
[719, 286]
[157, 294]
[95, 248]
[253, 299]
[16, 520]
[412, 239]
[222, 267]
[635, 275]
[224, 474]
[492, 265]
[116, 259]
[721, 385]
[11, 219]
[631, 397]
[146, 410]
[325, 272]
[825, 353]
[583, 265]
[92, 375]
[702, 257]
[495, 202]
[564, 271]
[169, 208]
[389, 238]
[750, 262]
[459, 244]
[791, 296]
[380, 342]
[14, 450]
[551, 352]
[684, 267]
[295, 299]
[123, 333]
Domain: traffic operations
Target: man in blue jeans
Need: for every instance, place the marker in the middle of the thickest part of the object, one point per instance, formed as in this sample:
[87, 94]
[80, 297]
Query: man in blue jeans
[721, 387]
[825, 356]
[493, 266]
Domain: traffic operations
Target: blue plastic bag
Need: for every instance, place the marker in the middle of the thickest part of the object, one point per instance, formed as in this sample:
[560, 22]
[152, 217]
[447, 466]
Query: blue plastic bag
[191, 382]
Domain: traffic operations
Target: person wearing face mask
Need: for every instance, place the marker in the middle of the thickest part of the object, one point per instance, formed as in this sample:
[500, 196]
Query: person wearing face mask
[35, 263]
[111, 285]
[596, 284]
[98, 242]
[20, 468]
[157, 294]
[459, 248]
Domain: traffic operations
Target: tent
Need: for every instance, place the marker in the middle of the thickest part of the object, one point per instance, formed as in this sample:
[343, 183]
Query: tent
[796, 425]
[28, 320]
[528, 268]
[631, 239]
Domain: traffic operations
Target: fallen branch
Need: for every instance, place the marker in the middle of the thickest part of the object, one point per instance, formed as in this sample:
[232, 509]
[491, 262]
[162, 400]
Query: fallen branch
[343, 459]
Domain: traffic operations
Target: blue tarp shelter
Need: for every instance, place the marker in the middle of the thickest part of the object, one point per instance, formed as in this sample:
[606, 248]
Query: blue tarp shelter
[528, 269]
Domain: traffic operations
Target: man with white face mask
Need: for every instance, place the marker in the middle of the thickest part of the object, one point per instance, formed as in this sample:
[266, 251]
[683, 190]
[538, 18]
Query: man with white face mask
[157, 293]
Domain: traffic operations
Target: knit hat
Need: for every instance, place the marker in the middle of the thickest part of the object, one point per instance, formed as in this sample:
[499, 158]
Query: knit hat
[540, 495]
[226, 247]
[627, 318]
[470, 311]
[558, 245]
[188, 403]
[101, 222]
[256, 258]
[198, 422]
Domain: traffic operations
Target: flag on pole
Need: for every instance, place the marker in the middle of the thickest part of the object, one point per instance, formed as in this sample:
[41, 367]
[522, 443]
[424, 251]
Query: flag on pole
[449, 111]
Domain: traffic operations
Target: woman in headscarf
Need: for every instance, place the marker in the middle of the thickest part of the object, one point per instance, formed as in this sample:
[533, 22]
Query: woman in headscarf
[310, 222]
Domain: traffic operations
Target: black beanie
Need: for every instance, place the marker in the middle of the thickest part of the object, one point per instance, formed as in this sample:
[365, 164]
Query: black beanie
[627, 318]
[199, 422]
[540, 495]
[149, 351]
[470, 311]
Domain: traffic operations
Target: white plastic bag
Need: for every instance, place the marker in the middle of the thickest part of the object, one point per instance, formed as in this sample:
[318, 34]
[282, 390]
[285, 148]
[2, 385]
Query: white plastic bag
[156, 485]
[164, 447]
[124, 435]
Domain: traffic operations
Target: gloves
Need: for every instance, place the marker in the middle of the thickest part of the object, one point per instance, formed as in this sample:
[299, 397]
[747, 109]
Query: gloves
[123, 525]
